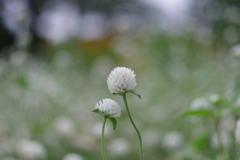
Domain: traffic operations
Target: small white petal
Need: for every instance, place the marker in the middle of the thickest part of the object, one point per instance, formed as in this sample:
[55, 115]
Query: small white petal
[121, 79]
[110, 107]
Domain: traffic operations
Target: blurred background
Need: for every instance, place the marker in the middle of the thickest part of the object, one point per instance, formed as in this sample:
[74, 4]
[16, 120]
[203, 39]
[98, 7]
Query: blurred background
[56, 55]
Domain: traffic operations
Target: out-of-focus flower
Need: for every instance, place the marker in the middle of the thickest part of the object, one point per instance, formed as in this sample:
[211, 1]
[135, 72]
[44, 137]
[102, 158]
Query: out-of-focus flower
[64, 126]
[73, 156]
[119, 146]
[110, 107]
[18, 58]
[30, 150]
[172, 140]
[215, 99]
[121, 79]
[96, 130]
[237, 132]
[235, 51]
[225, 139]
[62, 14]
[200, 103]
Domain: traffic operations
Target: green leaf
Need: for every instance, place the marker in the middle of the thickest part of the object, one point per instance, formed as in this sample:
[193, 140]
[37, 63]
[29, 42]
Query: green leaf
[198, 113]
[114, 122]
[99, 112]
[135, 92]
[120, 94]
[235, 109]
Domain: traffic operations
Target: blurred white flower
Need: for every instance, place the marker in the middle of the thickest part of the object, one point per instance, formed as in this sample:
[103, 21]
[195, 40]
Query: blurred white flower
[94, 26]
[237, 132]
[18, 58]
[121, 79]
[73, 156]
[109, 106]
[235, 51]
[96, 130]
[225, 139]
[173, 140]
[119, 146]
[63, 14]
[15, 15]
[200, 103]
[30, 150]
[215, 99]
[64, 126]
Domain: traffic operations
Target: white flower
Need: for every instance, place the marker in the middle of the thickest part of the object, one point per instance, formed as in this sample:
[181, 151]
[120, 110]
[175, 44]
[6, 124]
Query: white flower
[237, 132]
[200, 103]
[73, 156]
[109, 106]
[235, 51]
[119, 146]
[96, 130]
[214, 98]
[173, 140]
[31, 150]
[121, 79]
[64, 126]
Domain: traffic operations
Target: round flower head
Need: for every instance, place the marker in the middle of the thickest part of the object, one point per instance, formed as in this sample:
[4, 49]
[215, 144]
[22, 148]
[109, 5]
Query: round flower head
[121, 79]
[110, 107]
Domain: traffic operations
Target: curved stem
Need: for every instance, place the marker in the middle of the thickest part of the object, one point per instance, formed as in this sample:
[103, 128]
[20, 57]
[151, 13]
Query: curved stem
[102, 140]
[135, 127]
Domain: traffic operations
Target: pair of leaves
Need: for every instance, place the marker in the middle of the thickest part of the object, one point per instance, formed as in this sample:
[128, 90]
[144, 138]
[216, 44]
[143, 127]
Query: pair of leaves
[113, 120]
[131, 91]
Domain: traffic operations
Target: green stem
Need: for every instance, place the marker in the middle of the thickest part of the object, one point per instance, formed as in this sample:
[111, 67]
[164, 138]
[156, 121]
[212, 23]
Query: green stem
[130, 117]
[102, 140]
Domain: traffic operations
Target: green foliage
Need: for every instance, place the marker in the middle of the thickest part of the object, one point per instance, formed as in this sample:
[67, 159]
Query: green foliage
[198, 113]
[135, 93]
[100, 113]
[114, 122]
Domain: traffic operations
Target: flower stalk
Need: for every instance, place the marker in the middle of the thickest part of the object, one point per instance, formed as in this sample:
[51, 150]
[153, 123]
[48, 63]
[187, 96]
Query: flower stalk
[135, 127]
[102, 139]
[109, 109]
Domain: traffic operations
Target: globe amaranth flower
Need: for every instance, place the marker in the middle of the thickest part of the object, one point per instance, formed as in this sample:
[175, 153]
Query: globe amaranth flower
[109, 107]
[121, 79]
